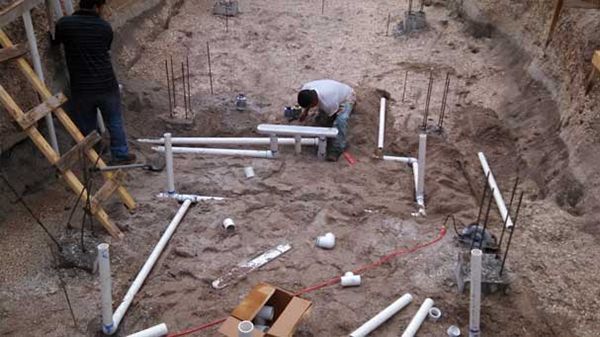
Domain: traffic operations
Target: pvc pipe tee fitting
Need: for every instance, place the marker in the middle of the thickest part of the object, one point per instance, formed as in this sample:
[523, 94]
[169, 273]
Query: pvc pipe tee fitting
[350, 280]
[326, 241]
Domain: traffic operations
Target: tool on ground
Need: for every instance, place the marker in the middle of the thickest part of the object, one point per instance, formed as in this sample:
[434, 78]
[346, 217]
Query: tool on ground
[243, 269]
[149, 167]
[292, 112]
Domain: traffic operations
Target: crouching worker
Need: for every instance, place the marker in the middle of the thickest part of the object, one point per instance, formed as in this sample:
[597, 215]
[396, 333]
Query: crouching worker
[334, 102]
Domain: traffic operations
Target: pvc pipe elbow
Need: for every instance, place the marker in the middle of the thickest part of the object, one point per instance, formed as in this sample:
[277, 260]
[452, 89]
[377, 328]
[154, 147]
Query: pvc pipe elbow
[229, 225]
[326, 241]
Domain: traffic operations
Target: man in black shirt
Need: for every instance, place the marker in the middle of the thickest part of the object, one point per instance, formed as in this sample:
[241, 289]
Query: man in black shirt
[87, 39]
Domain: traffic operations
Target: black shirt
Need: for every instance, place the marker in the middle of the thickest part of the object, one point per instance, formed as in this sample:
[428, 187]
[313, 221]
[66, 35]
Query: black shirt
[87, 39]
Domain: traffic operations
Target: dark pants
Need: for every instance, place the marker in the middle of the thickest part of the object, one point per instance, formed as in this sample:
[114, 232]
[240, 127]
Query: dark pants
[338, 121]
[83, 110]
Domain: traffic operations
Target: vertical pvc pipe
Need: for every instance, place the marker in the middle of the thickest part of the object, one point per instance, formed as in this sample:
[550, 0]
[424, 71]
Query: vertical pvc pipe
[380, 138]
[57, 8]
[476, 255]
[68, 6]
[383, 316]
[298, 144]
[37, 65]
[421, 176]
[148, 265]
[494, 186]
[169, 164]
[322, 151]
[155, 331]
[274, 145]
[420, 316]
[415, 169]
[105, 287]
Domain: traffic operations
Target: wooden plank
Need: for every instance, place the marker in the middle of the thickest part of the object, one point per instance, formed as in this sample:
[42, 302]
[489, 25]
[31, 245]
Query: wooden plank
[11, 53]
[596, 59]
[34, 115]
[48, 152]
[14, 11]
[62, 116]
[107, 190]
[586, 4]
[71, 158]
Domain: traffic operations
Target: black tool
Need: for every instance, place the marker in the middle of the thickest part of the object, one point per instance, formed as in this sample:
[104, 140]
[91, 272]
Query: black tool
[149, 167]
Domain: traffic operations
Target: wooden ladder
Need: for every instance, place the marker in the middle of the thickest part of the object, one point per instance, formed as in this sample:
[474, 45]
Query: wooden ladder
[52, 104]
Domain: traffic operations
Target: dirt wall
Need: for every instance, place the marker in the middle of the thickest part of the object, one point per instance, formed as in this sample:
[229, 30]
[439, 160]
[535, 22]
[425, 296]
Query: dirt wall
[562, 68]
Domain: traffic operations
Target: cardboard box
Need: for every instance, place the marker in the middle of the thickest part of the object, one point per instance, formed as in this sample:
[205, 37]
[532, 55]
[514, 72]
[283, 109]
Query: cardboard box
[289, 311]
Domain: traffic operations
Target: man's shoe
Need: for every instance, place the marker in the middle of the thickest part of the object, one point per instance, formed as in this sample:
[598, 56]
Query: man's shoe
[130, 158]
[333, 155]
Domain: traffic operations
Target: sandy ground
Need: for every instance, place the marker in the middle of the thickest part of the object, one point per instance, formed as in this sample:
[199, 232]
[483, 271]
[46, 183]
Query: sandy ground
[268, 52]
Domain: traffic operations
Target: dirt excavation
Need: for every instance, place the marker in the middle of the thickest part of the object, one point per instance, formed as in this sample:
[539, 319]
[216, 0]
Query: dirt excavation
[504, 99]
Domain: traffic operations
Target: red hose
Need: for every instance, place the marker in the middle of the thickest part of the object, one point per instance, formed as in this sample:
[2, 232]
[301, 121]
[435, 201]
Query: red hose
[334, 280]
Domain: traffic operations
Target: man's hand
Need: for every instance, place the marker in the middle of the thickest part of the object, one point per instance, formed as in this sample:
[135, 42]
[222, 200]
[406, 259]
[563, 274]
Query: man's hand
[303, 115]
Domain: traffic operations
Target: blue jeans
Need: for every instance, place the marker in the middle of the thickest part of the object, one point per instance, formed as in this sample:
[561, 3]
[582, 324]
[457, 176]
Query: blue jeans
[83, 111]
[340, 122]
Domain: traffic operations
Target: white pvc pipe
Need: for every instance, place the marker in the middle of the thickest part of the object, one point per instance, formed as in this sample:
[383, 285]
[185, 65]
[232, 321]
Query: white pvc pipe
[183, 197]
[415, 169]
[383, 316]
[155, 331]
[141, 276]
[37, 65]
[475, 286]
[421, 175]
[420, 316]
[225, 152]
[230, 141]
[105, 287]
[68, 6]
[497, 194]
[380, 138]
[406, 160]
[168, 148]
[57, 9]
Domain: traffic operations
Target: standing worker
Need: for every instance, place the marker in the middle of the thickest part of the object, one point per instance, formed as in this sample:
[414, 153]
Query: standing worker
[335, 102]
[87, 39]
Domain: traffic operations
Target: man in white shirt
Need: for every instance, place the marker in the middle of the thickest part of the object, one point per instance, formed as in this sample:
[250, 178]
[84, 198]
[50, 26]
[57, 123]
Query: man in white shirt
[335, 102]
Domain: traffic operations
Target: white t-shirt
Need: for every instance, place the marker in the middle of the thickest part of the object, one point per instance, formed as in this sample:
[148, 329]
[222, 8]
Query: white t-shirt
[331, 94]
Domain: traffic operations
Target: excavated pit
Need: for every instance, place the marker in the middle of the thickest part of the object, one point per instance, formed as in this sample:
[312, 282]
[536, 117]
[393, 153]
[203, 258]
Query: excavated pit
[269, 50]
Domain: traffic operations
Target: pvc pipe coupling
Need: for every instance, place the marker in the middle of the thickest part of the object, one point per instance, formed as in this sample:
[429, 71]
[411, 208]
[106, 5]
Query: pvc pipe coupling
[326, 241]
[229, 225]
[245, 329]
[249, 171]
[350, 280]
[453, 331]
[435, 314]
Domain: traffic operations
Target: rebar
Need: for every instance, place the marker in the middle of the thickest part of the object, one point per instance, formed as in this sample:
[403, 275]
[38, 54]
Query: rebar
[512, 196]
[209, 67]
[410, 4]
[169, 88]
[185, 105]
[487, 215]
[512, 230]
[485, 188]
[37, 220]
[187, 60]
[404, 90]
[428, 100]
[173, 85]
[387, 30]
[485, 222]
[322, 7]
[444, 100]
